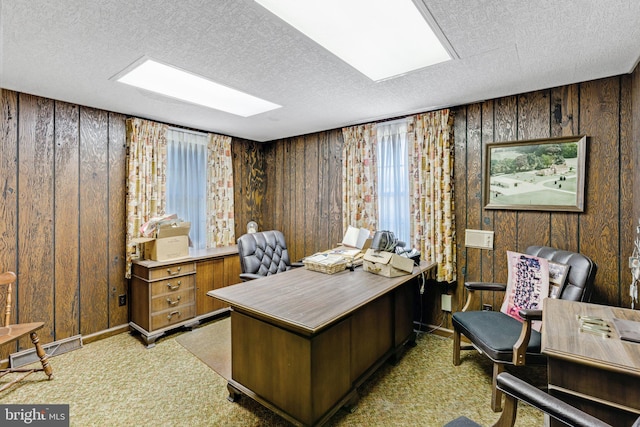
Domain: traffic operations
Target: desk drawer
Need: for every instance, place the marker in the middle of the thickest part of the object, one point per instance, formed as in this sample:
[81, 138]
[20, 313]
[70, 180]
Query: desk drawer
[172, 316]
[167, 271]
[175, 300]
[176, 284]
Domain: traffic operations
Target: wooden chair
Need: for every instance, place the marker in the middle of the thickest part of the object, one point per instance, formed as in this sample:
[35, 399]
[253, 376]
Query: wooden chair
[517, 390]
[10, 333]
[505, 340]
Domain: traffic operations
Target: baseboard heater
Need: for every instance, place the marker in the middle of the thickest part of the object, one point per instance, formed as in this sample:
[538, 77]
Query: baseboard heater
[55, 348]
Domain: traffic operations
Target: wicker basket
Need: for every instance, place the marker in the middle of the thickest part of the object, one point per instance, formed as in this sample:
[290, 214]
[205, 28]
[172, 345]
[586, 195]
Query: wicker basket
[326, 266]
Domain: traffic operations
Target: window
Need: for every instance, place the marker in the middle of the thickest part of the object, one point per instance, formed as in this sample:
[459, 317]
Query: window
[187, 181]
[393, 179]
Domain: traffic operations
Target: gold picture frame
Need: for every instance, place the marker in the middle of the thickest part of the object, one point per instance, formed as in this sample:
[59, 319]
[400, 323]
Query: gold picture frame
[539, 174]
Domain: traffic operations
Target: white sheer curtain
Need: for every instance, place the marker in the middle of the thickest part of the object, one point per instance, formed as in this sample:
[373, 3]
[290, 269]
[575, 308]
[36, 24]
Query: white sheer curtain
[393, 179]
[187, 181]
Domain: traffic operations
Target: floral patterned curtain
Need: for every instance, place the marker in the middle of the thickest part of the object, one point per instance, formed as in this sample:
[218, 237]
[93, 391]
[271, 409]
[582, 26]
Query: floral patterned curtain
[220, 219]
[431, 185]
[360, 177]
[146, 178]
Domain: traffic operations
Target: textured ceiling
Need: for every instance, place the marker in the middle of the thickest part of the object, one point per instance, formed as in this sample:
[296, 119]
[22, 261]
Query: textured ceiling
[69, 49]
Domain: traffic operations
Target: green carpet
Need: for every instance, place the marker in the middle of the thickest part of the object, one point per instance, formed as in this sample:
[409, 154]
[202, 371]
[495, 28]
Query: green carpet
[117, 381]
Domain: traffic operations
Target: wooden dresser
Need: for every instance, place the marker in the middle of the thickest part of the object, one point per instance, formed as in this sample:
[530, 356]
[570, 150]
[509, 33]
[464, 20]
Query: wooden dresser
[166, 295]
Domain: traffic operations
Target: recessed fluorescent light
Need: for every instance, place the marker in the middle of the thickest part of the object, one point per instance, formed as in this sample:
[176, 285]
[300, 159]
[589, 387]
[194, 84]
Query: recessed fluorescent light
[175, 83]
[380, 38]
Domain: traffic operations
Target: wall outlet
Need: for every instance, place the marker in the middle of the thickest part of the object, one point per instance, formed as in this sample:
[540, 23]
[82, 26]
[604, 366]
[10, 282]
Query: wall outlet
[122, 300]
[445, 302]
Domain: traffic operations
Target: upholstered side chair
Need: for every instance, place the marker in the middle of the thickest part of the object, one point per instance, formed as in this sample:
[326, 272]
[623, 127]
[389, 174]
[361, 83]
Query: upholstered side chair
[13, 332]
[262, 254]
[506, 340]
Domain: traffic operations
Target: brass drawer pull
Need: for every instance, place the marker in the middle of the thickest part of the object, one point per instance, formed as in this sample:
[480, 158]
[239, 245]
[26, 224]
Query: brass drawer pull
[173, 273]
[173, 288]
[170, 315]
[172, 303]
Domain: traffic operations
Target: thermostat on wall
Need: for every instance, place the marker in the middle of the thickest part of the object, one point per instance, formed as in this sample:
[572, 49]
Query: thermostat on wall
[478, 239]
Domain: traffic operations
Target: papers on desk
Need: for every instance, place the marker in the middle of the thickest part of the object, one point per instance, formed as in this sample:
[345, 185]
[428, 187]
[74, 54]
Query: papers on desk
[356, 237]
[325, 263]
[325, 259]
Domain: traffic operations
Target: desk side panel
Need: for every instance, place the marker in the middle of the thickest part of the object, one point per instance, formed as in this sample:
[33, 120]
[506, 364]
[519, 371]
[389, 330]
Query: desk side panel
[302, 377]
[371, 334]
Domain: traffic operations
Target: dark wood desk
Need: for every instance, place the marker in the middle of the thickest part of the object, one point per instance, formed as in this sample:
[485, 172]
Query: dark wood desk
[303, 341]
[598, 375]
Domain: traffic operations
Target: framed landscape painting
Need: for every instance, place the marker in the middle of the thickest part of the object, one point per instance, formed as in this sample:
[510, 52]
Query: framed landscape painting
[539, 174]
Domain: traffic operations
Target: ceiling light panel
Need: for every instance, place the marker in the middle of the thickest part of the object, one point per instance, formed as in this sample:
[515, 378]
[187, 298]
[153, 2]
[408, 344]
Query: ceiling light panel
[380, 38]
[170, 81]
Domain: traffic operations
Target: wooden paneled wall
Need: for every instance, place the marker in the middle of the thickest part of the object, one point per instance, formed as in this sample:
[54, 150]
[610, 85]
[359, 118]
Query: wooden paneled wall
[293, 185]
[605, 231]
[249, 181]
[62, 219]
[303, 193]
[62, 222]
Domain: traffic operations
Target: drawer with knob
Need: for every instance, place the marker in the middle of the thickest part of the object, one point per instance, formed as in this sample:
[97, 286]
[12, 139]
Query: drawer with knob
[172, 316]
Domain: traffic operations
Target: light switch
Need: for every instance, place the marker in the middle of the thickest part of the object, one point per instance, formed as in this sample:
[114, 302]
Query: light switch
[482, 239]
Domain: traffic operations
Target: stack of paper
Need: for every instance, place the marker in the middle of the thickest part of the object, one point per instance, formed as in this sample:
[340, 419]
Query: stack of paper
[355, 237]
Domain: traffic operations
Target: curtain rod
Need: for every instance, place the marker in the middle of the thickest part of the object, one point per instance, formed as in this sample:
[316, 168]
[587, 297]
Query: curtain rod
[194, 132]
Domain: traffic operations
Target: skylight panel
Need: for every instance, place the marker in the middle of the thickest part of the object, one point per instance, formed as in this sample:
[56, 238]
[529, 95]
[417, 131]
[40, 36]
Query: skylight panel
[175, 83]
[379, 38]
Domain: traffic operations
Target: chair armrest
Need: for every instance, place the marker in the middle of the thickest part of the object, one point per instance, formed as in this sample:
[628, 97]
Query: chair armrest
[480, 286]
[249, 276]
[485, 286]
[516, 389]
[530, 314]
[520, 347]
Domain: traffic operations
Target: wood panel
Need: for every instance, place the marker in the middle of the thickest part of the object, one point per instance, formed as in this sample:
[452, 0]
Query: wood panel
[9, 190]
[335, 140]
[249, 176]
[488, 216]
[564, 122]
[533, 122]
[94, 221]
[473, 198]
[460, 169]
[67, 208]
[628, 218]
[118, 315]
[209, 276]
[311, 196]
[599, 228]
[505, 222]
[35, 214]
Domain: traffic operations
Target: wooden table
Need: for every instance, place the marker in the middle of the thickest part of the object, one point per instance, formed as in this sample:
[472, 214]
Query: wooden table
[303, 341]
[596, 374]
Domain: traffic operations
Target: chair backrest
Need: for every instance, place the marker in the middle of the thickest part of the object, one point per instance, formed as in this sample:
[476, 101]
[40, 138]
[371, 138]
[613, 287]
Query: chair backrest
[263, 253]
[582, 272]
[7, 279]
